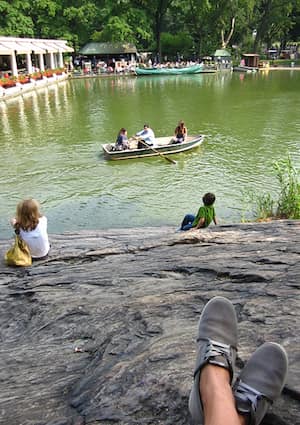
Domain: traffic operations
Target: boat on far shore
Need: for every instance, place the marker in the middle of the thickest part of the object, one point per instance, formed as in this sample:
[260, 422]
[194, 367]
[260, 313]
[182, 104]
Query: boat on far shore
[162, 145]
[248, 69]
[193, 69]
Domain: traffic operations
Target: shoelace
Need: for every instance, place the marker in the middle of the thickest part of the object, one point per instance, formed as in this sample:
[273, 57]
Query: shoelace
[250, 398]
[215, 349]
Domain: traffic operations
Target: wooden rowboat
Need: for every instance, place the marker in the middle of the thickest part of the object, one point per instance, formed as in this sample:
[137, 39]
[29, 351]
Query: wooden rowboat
[163, 145]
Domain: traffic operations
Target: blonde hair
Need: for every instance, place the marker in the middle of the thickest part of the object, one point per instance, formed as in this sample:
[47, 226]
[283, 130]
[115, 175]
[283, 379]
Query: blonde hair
[28, 214]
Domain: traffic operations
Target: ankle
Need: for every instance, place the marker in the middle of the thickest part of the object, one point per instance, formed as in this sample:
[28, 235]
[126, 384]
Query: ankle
[214, 382]
[217, 397]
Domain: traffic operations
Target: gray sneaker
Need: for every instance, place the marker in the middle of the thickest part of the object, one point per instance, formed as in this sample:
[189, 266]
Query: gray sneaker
[217, 342]
[261, 382]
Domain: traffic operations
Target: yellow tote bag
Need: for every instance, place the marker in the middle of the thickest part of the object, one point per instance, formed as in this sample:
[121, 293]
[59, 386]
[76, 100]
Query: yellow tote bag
[18, 254]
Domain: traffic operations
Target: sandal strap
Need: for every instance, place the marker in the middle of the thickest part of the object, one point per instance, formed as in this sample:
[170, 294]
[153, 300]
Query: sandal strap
[216, 353]
[249, 400]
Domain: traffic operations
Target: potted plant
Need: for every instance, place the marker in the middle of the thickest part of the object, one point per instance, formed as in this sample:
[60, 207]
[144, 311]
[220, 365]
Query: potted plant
[58, 71]
[37, 75]
[48, 73]
[8, 82]
[23, 79]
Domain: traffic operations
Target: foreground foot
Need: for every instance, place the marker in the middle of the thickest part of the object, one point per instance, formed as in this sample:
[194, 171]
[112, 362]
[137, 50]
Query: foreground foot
[261, 382]
[217, 341]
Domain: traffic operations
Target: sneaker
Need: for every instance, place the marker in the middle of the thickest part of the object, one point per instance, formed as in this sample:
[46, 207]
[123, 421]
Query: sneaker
[261, 382]
[217, 342]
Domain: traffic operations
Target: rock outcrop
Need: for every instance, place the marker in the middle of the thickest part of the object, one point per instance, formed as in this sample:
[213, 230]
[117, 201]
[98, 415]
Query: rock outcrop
[103, 331]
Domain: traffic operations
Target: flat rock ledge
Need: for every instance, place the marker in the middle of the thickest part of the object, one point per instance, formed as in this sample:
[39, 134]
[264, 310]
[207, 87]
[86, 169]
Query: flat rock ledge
[103, 331]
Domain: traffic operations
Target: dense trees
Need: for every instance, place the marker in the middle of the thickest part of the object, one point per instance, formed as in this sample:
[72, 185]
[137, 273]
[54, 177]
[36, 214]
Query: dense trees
[167, 27]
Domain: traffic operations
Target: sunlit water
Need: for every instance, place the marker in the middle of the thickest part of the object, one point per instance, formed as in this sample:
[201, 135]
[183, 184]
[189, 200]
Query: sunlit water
[51, 140]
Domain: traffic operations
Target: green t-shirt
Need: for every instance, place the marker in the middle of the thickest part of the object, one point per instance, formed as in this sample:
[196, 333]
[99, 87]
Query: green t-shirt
[206, 212]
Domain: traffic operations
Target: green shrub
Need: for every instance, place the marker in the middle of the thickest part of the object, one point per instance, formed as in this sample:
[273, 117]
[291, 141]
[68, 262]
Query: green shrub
[287, 204]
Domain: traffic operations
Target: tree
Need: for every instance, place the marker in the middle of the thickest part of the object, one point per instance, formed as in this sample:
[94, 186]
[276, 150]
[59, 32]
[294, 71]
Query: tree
[156, 10]
[125, 23]
[203, 25]
[176, 44]
[273, 21]
[294, 32]
[14, 19]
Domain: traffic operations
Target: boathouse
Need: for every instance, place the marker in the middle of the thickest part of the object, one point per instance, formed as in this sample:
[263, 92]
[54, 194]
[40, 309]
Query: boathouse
[251, 60]
[109, 51]
[29, 54]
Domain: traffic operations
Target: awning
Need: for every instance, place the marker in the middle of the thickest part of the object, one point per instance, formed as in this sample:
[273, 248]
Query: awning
[9, 45]
[68, 49]
[24, 47]
[62, 46]
[12, 46]
[36, 49]
[5, 50]
[47, 47]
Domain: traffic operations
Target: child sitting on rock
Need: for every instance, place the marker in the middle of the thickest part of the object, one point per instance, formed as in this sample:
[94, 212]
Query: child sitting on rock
[206, 214]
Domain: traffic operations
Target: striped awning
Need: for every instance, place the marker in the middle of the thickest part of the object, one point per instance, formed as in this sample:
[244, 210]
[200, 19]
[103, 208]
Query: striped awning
[35, 49]
[62, 46]
[9, 45]
[46, 46]
[24, 47]
[5, 50]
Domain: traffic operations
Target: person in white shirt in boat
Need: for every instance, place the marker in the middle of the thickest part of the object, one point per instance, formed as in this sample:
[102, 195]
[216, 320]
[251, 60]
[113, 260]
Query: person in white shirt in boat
[146, 136]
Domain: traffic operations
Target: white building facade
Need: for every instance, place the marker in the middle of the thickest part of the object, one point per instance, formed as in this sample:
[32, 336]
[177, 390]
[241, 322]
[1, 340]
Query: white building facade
[33, 54]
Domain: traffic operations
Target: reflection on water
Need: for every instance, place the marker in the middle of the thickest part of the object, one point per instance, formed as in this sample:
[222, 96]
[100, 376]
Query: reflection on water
[51, 140]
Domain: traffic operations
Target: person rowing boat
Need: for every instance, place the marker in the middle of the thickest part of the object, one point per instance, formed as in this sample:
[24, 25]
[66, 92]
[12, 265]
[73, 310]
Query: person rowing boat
[147, 136]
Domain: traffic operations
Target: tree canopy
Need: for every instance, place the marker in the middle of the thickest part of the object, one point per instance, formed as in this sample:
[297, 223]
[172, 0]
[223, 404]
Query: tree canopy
[166, 27]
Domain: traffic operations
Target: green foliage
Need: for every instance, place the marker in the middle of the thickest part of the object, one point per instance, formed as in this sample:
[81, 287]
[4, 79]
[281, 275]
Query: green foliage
[14, 19]
[181, 43]
[289, 197]
[284, 62]
[287, 204]
[117, 29]
[272, 20]
[202, 24]
[265, 206]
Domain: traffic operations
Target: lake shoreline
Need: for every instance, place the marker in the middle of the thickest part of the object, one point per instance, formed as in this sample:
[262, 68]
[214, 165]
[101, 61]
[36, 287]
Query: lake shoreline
[19, 90]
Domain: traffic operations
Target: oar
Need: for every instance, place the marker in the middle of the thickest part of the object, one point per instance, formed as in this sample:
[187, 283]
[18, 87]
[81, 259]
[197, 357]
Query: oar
[154, 150]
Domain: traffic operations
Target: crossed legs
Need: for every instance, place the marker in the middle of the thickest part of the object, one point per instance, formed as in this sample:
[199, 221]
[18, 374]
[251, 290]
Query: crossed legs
[217, 398]
[214, 399]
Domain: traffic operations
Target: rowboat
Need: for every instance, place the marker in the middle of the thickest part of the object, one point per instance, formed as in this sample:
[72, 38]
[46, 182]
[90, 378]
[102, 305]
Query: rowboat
[163, 145]
[194, 69]
[247, 69]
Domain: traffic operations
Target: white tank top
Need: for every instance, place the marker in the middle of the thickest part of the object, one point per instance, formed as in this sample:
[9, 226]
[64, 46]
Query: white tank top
[37, 239]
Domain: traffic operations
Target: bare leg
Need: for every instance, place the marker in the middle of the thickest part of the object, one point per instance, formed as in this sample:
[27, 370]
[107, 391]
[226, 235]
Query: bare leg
[217, 398]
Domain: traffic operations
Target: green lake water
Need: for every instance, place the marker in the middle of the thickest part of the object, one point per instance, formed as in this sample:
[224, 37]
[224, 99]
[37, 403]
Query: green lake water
[50, 144]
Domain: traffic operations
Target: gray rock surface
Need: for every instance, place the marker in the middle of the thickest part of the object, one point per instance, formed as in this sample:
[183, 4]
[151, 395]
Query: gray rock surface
[103, 331]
